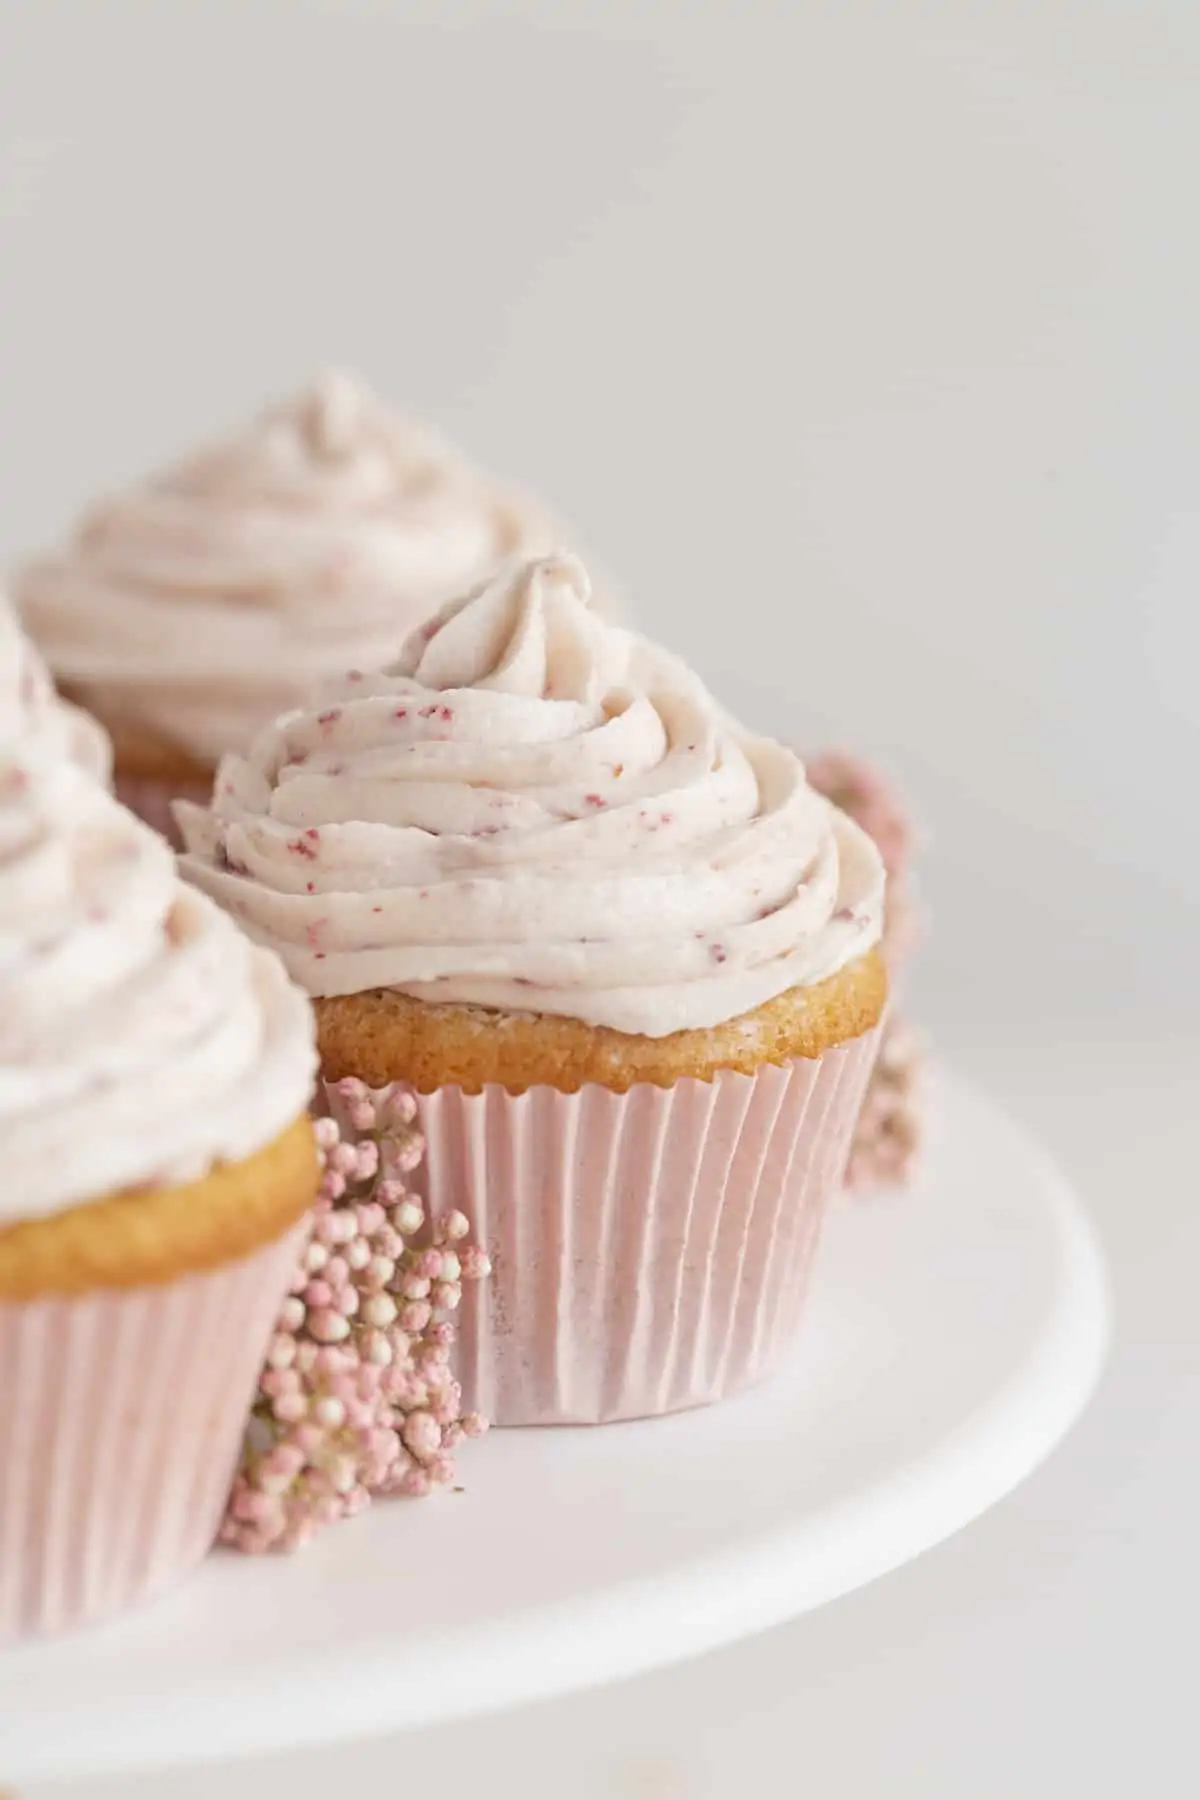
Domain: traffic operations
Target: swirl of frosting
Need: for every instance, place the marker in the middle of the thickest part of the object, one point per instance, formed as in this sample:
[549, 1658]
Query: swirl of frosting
[206, 601]
[31, 714]
[537, 812]
[142, 1037]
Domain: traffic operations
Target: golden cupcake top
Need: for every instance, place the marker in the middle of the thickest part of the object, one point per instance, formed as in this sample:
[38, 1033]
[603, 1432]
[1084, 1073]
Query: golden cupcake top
[533, 811]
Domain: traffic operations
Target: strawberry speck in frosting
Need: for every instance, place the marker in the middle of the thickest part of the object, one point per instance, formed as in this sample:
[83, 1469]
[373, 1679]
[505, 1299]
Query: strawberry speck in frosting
[330, 717]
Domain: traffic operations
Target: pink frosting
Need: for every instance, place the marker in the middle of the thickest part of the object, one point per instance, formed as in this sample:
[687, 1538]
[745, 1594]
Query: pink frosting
[535, 811]
[206, 601]
[32, 717]
[142, 1038]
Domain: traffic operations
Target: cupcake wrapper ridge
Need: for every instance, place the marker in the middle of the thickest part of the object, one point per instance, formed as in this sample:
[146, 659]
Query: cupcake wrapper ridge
[650, 1250]
[121, 1418]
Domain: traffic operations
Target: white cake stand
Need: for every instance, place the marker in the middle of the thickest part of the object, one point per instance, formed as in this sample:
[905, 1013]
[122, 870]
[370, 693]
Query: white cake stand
[955, 1335]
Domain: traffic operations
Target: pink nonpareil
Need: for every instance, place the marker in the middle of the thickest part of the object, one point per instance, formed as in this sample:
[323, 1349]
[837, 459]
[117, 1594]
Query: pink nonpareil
[888, 1138]
[357, 1397]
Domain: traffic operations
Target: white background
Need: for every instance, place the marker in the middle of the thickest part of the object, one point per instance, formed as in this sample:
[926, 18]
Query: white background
[863, 340]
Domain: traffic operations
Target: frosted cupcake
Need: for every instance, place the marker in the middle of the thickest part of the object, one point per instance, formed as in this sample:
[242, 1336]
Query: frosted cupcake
[32, 717]
[624, 954]
[192, 610]
[155, 1070]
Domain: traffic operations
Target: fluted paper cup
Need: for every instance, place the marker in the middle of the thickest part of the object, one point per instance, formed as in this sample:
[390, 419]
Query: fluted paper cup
[651, 1250]
[121, 1419]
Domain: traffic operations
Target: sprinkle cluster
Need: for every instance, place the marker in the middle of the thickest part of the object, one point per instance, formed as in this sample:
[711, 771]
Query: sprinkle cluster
[356, 1397]
[888, 1138]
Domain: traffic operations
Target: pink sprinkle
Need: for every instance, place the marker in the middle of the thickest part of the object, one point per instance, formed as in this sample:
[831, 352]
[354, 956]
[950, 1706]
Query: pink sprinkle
[844, 914]
[401, 712]
[310, 887]
[313, 834]
[667, 819]
[301, 847]
[331, 717]
[718, 953]
[313, 933]
[377, 909]
[594, 800]
[319, 955]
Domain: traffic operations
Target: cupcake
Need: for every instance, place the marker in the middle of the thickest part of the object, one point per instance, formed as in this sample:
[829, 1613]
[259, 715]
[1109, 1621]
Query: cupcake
[32, 717]
[192, 610]
[624, 955]
[155, 1070]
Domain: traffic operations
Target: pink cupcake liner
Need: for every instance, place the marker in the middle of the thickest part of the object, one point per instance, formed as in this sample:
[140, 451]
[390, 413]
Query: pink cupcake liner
[650, 1250]
[121, 1419]
[151, 801]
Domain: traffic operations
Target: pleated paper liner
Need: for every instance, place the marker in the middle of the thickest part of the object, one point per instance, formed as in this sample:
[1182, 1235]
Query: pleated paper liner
[651, 1250]
[121, 1418]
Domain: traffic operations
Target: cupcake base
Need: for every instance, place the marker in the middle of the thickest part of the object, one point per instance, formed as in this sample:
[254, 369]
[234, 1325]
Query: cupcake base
[650, 1250]
[132, 1332]
[121, 1418]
